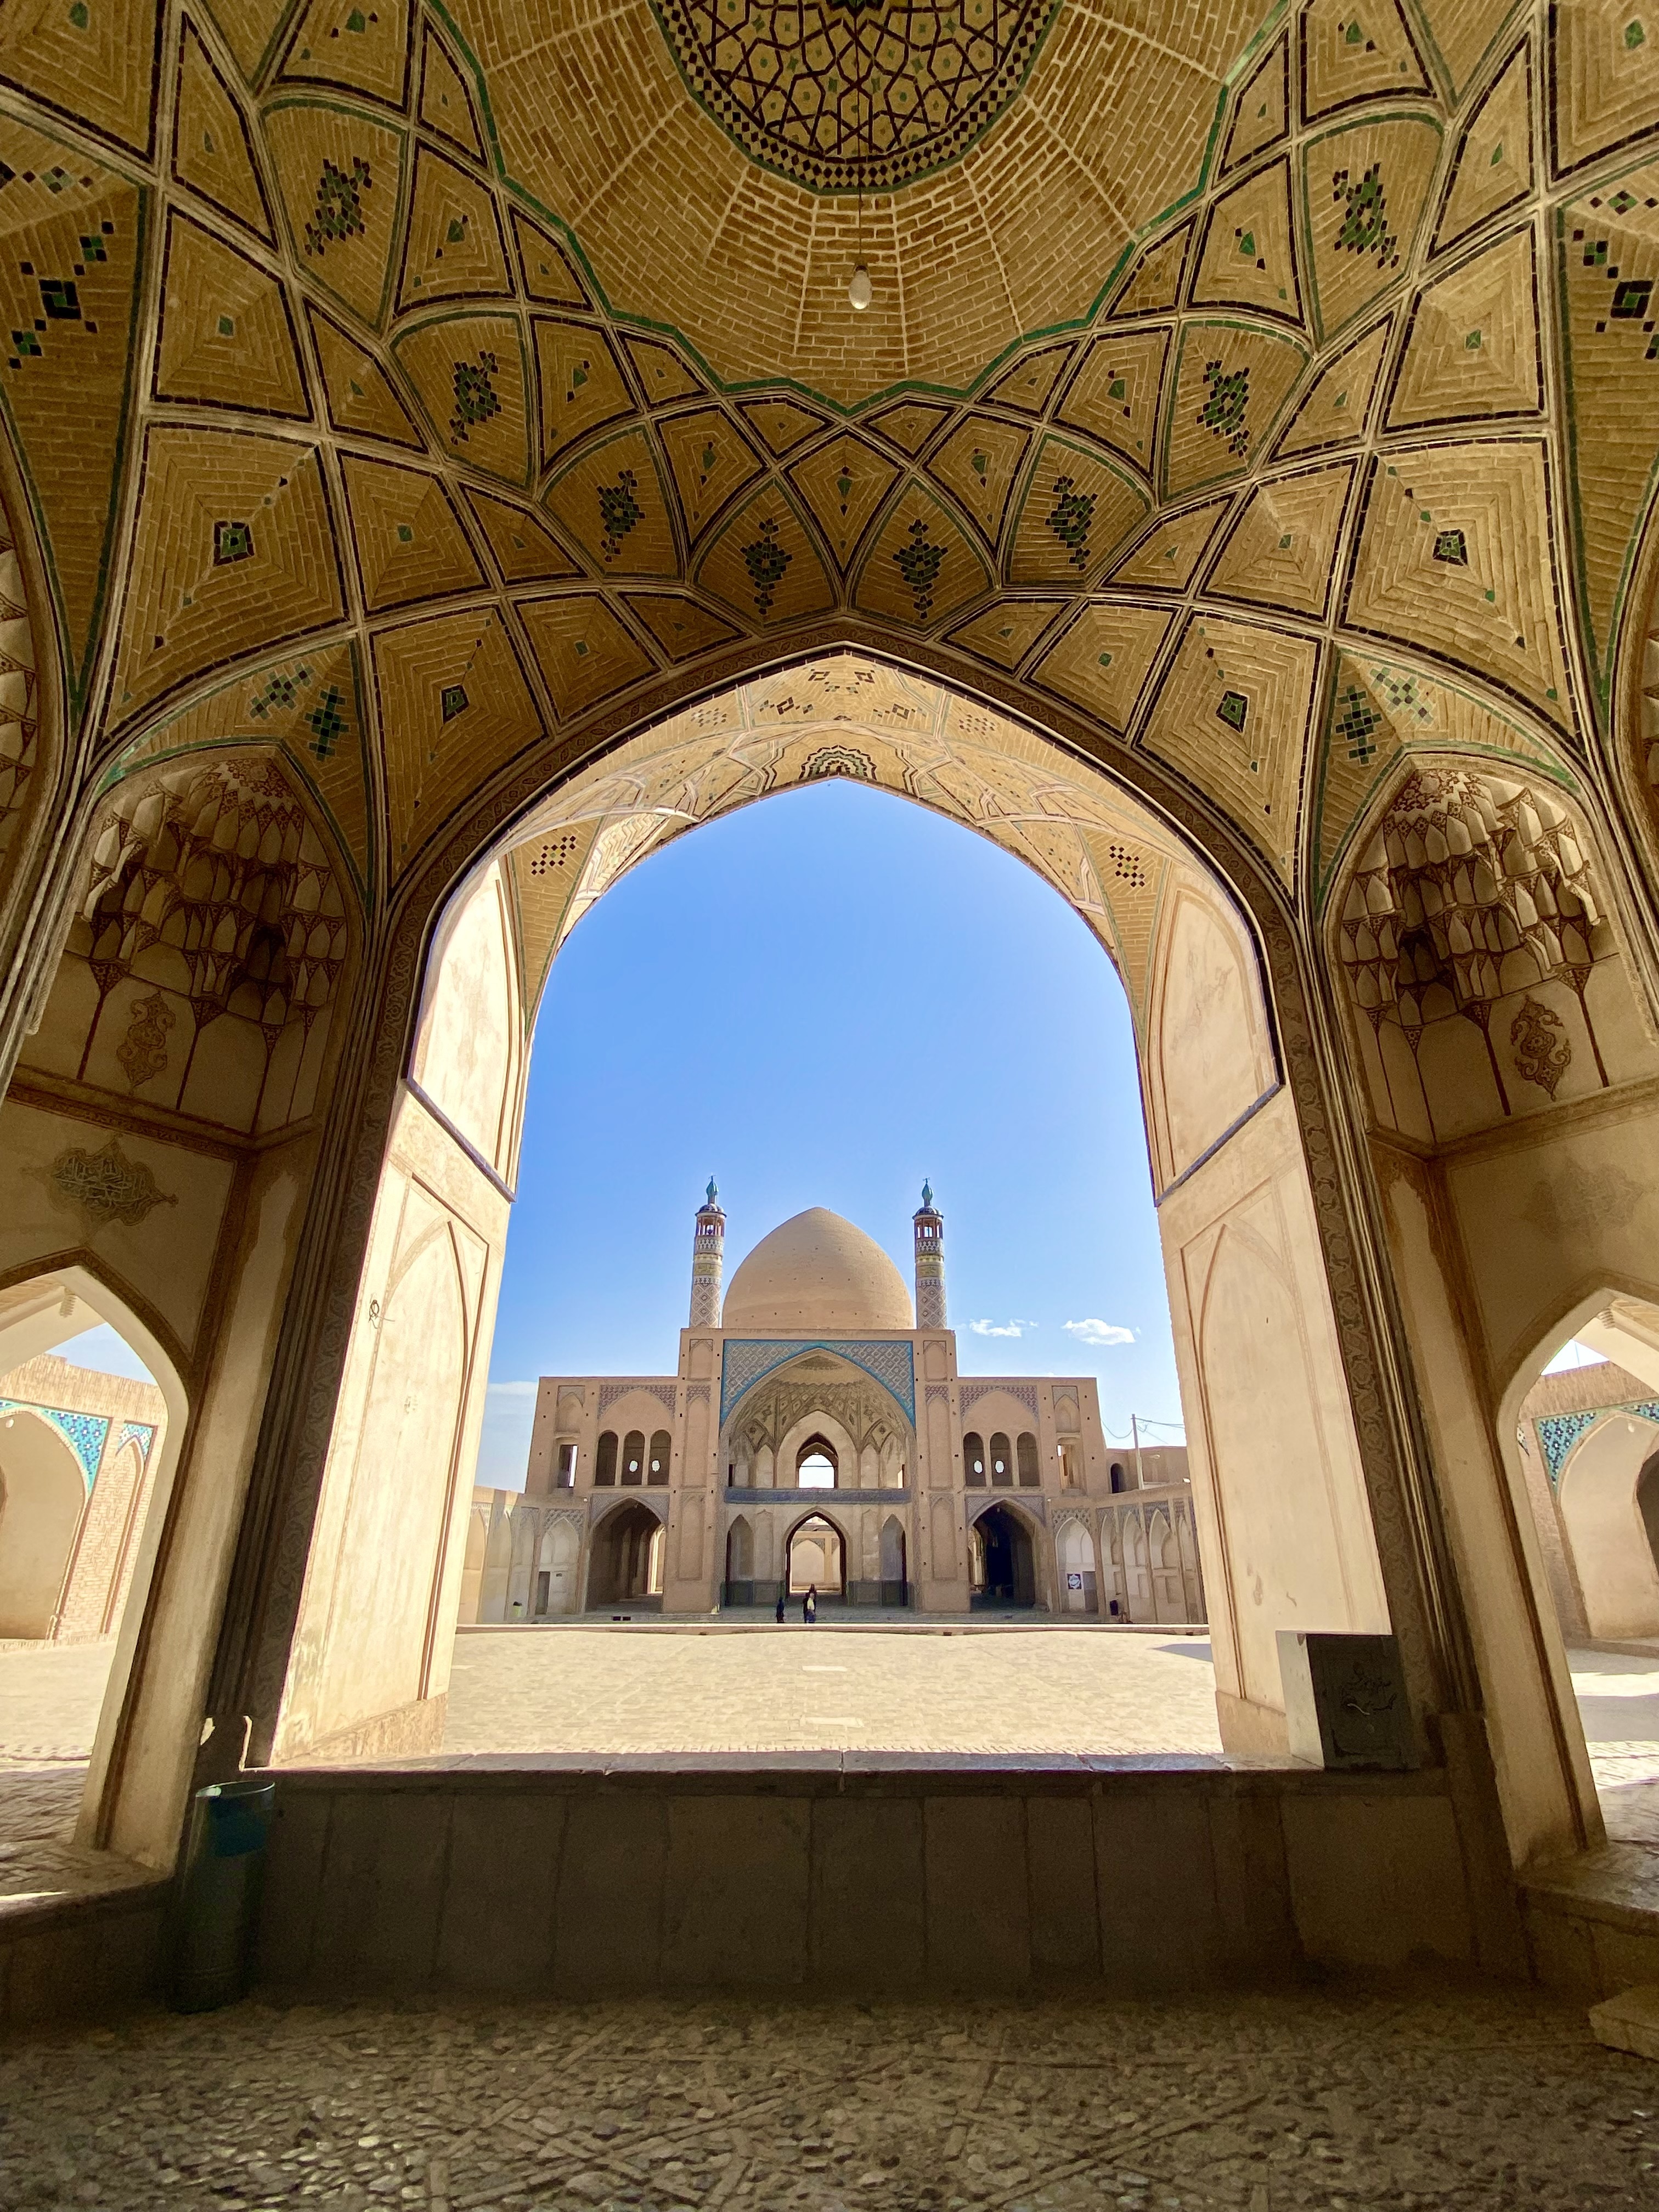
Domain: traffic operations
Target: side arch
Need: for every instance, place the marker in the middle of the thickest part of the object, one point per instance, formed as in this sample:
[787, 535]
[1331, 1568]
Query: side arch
[43, 1496]
[1602, 1494]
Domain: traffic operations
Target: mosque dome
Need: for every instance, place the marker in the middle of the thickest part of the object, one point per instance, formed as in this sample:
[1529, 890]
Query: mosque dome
[816, 1271]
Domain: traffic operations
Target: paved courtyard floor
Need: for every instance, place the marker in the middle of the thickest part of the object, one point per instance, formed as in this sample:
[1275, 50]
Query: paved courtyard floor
[994, 1690]
[969, 1690]
[1464, 2098]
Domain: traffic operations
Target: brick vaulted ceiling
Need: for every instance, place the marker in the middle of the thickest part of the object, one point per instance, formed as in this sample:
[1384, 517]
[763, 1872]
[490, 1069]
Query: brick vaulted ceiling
[410, 391]
[1022, 180]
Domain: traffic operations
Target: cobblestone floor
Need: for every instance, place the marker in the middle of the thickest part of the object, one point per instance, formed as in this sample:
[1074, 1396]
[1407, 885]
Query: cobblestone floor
[1467, 2100]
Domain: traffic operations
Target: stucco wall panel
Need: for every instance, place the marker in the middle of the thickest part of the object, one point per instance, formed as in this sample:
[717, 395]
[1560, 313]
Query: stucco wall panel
[1285, 1521]
[164, 1251]
[1555, 1214]
[467, 1055]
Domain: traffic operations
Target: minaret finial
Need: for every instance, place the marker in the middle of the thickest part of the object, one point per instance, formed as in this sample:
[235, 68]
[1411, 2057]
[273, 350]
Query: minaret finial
[707, 1260]
[930, 1262]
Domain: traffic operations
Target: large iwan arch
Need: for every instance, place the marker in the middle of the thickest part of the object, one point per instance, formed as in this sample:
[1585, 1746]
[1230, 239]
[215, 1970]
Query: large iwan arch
[1286, 603]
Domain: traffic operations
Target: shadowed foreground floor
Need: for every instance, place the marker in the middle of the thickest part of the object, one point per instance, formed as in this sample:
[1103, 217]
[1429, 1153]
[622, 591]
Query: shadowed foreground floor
[1451, 2097]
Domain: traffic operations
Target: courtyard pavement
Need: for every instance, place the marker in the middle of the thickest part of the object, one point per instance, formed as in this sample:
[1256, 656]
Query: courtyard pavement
[973, 1689]
[989, 1691]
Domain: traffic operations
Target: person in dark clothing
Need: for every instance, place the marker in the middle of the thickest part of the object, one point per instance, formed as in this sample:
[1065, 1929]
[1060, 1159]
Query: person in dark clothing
[780, 1606]
[809, 1604]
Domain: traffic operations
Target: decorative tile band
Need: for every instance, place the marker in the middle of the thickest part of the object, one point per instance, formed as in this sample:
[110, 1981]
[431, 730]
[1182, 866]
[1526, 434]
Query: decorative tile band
[1558, 1432]
[141, 1433]
[611, 1393]
[745, 1361]
[84, 1433]
[1025, 1393]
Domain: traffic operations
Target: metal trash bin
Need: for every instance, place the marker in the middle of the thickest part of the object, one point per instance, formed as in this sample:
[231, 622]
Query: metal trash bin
[218, 1896]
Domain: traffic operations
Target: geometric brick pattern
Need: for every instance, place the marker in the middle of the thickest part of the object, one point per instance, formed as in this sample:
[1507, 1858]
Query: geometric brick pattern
[746, 1360]
[576, 376]
[446, 103]
[1367, 185]
[1232, 717]
[1167, 558]
[1491, 169]
[1349, 56]
[1248, 258]
[1115, 391]
[1281, 552]
[212, 146]
[1378, 708]
[48, 211]
[227, 337]
[1231, 382]
[836, 97]
[235, 549]
[1261, 108]
[1604, 74]
[1335, 407]
[1607, 244]
[1447, 563]
[1471, 350]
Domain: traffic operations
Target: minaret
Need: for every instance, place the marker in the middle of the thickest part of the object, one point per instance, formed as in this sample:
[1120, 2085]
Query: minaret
[930, 1262]
[707, 1260]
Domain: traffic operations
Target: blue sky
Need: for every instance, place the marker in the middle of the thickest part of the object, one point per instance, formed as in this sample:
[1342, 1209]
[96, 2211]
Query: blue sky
[820, 999]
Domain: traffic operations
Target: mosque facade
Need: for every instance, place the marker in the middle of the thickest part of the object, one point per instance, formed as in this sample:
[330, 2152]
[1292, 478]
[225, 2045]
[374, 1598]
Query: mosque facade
[817, 1434]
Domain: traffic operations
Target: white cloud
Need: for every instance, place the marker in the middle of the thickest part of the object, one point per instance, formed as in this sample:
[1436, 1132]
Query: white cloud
[1099, 1331]
[513, 1389]
[1014, 1327]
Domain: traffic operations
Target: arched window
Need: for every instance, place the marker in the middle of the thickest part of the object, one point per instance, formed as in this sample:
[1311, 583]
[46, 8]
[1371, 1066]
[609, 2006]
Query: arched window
[1647, 1503]
[895, 1581]
[1030, 1477]
[1119, 1481]
[1069, 1477]
[1002, 1463]
[604, 1465]
[739, 1557]
[657, 1469]
[815, 1465]
[973, 1459]
[633, 1464]
[564, 1477]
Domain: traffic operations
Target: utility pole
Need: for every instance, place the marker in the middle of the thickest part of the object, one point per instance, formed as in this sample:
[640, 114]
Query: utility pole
[1134, 1430]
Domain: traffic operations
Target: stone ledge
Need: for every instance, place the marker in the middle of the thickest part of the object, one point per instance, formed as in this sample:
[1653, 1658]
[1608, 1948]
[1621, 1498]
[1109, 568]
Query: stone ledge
[842, 1871]
[1592, 1922]
[1617, 1884]
[93, 1952]
[841, 1773]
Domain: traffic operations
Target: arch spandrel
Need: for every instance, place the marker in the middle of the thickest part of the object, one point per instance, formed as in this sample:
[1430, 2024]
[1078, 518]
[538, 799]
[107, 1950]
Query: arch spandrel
[567, 627]
[848, 714]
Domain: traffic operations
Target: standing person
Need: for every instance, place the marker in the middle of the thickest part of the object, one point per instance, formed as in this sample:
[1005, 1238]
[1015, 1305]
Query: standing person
[780, 1605]
[809, 1604]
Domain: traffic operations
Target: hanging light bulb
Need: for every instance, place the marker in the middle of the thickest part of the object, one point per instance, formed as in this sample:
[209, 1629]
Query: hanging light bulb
[860, 291]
